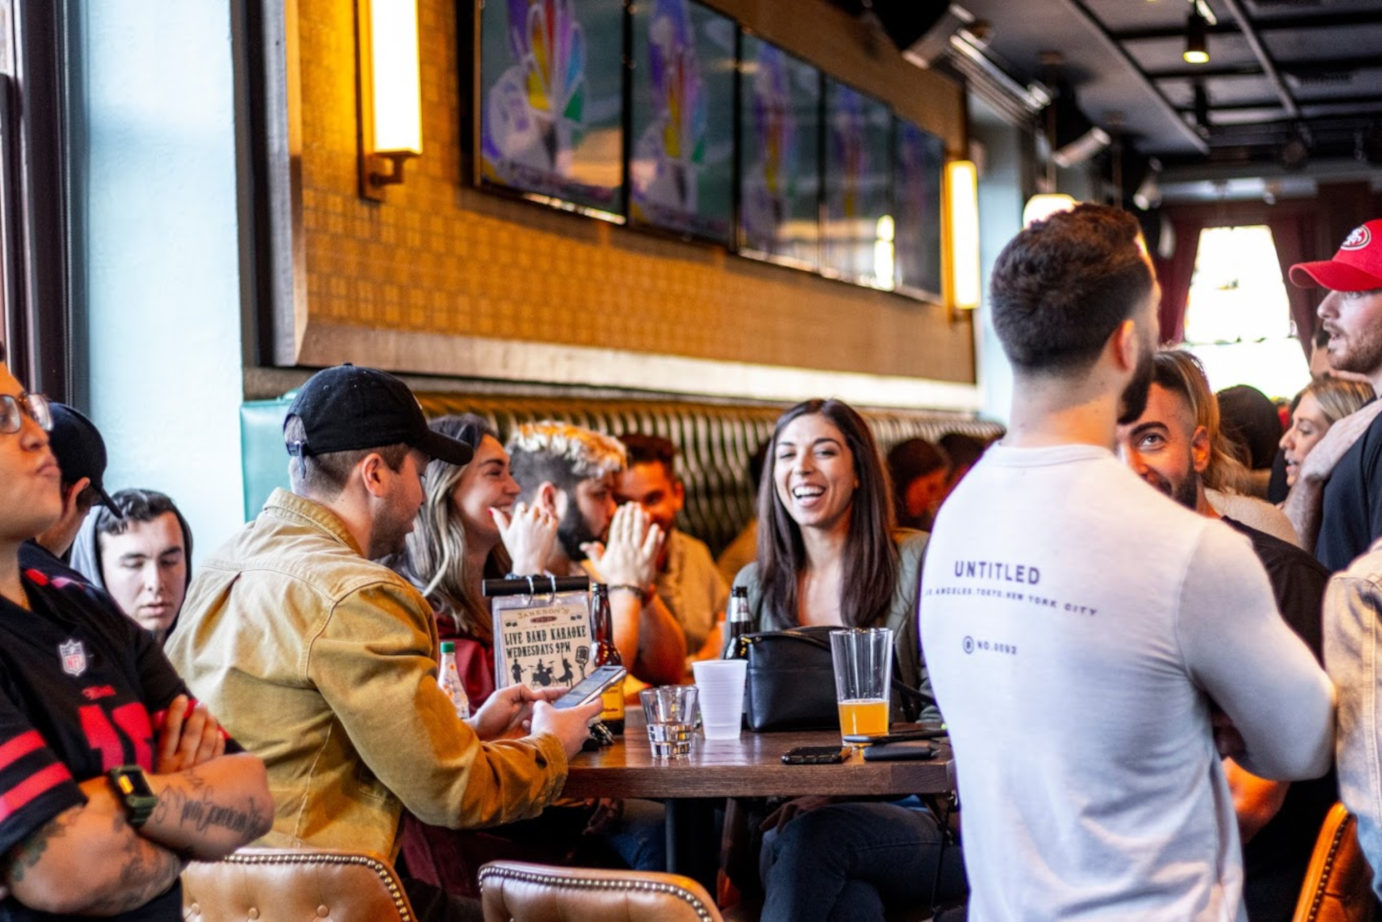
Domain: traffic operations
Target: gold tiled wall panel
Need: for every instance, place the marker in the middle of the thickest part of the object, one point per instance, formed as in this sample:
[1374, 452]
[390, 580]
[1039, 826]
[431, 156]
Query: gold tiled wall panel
[442, 257]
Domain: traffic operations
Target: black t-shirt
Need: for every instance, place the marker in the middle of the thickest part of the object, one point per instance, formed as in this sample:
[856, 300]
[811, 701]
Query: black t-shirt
[81, 689]
[1351, 514]
[1275, 860]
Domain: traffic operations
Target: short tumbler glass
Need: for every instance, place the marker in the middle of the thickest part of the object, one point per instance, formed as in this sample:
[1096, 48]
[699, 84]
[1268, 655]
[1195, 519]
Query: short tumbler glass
[670, 712]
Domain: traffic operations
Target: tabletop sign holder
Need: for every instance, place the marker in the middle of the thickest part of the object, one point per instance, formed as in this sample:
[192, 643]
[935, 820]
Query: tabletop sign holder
[542, 630]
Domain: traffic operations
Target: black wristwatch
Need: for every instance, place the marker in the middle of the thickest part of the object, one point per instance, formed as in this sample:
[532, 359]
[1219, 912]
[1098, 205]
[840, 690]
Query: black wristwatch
[133, 789]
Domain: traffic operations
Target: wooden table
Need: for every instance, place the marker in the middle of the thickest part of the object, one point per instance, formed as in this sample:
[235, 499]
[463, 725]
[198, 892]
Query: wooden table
[750, 766]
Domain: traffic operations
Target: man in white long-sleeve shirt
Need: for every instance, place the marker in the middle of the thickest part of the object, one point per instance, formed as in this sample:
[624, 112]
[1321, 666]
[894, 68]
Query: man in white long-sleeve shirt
[1081, 627]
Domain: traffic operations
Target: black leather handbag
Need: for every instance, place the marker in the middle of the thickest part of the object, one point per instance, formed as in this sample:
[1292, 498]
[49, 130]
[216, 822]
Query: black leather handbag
[790, 682]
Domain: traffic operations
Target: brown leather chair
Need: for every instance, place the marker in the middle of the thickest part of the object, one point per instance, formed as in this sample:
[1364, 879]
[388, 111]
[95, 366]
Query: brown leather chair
[515, 891]
[1338, 883]
[293, 885]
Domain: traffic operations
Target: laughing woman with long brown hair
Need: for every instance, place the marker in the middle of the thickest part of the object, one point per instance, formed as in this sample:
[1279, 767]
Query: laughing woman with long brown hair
[829, 554]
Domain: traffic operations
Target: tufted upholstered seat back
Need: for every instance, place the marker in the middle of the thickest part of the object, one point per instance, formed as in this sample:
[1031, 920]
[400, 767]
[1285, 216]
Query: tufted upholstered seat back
[515, 891]
[293, 885]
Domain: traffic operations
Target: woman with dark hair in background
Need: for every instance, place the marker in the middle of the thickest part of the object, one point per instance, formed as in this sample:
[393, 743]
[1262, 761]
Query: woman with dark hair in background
[919, 472]
[828, 554]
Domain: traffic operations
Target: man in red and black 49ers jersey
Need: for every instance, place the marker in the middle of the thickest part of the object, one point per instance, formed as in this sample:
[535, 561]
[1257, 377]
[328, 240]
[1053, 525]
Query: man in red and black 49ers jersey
[110, 778]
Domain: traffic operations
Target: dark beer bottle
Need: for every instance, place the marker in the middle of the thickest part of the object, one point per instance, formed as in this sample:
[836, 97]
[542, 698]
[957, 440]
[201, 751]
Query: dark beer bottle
[603, 652]
[738, 621]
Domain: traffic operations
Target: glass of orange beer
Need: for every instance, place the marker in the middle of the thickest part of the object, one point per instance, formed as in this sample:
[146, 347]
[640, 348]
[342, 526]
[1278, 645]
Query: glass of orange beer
[863, 659]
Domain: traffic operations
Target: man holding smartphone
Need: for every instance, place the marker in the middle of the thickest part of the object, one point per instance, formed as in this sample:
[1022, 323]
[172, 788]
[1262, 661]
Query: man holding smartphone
[1087, 637]
[321, 660]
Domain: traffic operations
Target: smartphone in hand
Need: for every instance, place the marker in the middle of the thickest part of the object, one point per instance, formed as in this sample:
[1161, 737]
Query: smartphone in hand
[591, 687]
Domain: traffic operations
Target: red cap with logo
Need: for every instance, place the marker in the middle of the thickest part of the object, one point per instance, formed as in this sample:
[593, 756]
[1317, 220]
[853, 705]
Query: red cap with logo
[1356, 267]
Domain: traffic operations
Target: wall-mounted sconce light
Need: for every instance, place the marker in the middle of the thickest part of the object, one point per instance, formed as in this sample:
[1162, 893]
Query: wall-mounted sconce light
[1196, 37]
[962, 237]
[390, 92]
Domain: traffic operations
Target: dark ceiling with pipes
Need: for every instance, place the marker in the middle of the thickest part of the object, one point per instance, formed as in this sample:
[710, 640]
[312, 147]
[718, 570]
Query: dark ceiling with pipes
[1285, 82]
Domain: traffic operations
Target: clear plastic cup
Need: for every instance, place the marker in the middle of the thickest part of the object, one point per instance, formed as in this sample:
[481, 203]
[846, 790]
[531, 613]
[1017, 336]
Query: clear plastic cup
[721, 686]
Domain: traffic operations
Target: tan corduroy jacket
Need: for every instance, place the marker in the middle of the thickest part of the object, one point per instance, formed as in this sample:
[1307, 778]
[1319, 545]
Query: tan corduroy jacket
[321, 662]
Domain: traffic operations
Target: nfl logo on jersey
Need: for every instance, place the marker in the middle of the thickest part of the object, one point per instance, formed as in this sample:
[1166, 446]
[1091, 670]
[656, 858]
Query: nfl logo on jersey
[73, 657]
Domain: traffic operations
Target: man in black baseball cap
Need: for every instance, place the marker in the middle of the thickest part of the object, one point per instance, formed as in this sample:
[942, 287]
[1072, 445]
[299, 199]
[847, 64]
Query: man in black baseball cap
[350, 407]
[81, 454]
[323, 661]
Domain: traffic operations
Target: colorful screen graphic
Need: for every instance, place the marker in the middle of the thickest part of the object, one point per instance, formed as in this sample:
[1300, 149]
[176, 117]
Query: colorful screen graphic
[779, 160]
[551, 100]
[681, 165]
[918, 167]
[857, 229]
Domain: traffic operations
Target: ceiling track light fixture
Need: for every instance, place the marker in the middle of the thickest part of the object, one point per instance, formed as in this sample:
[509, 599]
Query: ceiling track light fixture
[1196, 37]
[1201, 108]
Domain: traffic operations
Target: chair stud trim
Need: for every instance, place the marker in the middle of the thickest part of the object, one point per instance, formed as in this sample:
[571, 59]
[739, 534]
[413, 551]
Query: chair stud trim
[381, 870]
[596, 883]
[1334, 844]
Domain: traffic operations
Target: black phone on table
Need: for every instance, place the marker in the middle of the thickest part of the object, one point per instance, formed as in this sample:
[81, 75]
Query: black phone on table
[898, 734]
[591, 687]
[815, 755]
[901, 751]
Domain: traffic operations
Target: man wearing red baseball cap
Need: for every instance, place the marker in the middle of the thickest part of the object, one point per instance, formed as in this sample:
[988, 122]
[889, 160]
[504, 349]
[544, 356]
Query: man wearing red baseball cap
[1348, 477]
[1338, 493]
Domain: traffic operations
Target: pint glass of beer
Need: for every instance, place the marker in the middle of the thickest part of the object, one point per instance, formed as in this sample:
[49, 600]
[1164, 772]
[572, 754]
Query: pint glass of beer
[863, 659]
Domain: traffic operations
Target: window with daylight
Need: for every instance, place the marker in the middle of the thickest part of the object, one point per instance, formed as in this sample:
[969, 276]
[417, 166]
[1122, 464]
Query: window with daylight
[1237, 319]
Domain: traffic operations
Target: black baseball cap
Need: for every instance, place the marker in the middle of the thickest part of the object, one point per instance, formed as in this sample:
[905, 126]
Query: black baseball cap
[81, 452]
[350, 407]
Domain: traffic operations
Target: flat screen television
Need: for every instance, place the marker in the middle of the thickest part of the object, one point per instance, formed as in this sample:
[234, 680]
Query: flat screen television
[856, 228]
[550, 99]
[918, 170]
[681, 122]
[779, 155]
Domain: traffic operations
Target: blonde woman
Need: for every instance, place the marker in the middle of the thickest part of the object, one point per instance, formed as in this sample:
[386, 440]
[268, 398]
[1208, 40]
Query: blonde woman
[471, 528]
[1319, 406]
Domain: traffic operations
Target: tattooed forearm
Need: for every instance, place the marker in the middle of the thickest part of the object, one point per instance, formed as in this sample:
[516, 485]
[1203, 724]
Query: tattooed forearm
[53, 870]
[31, 851]
[146, 870]
[202, 811]
[199, 814]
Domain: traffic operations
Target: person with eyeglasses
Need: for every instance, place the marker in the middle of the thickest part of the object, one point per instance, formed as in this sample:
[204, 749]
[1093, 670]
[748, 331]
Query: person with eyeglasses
[111, 776]
[81, 453]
